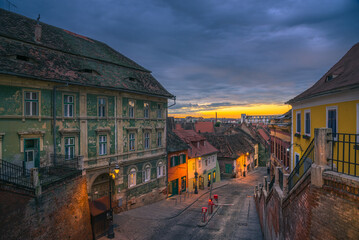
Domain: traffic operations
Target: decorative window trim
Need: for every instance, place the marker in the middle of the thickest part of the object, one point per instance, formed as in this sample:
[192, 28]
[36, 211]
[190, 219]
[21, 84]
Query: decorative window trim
[161, 168]
[305, 123]
[66, 133]
[159, 139]
[134, 141]
[103, 130]
[106, 106]
[31, 134]
[159, 112]
[129, 171]
[39, 104]
[145, 168]
[74, 104]
[144, 140]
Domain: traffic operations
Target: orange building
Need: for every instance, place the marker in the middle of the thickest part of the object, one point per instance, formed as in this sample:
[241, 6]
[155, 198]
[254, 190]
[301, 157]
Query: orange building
[177, 164]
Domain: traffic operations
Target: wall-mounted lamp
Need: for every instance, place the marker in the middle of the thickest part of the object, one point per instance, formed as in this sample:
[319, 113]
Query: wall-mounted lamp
[297, 145]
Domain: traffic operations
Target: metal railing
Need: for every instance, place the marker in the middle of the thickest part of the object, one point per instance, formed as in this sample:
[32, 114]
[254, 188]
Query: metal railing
[302, 167]
[14, 174]
[271, 184]
[280, 179]
[345, 153]
[58, 171]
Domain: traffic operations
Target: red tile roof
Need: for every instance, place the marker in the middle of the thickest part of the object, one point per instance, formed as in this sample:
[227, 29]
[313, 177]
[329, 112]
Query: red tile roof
[345, 75]
[204, 127]
[198, 144]
[263, 134]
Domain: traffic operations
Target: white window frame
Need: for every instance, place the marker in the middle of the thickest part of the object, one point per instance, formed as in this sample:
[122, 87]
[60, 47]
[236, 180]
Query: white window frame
[70, 146]
[336, 117]
[132, 177]
[146, 110]
[131, 108]
[68, 105]
[305, 122]
[300, 122]
[101, 106]
[159, 110]
[132, 141]
[159, 139]
[147, 140]
[31, 100]
[102, 145]
[161, 169]
[147, 172]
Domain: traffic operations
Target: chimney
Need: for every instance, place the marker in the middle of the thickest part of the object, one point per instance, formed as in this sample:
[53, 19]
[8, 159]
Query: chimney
[38, 30]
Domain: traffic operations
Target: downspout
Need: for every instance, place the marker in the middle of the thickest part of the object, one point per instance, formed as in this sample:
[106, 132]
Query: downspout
[174, 98]
[54, 117]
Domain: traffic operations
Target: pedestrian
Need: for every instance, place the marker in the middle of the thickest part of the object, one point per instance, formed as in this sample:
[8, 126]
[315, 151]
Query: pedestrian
[209, 184]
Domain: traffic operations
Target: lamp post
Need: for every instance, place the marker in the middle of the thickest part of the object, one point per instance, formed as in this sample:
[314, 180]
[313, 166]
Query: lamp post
[110, 233]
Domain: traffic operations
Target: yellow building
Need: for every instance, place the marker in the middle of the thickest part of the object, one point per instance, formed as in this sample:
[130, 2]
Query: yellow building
[332, 102]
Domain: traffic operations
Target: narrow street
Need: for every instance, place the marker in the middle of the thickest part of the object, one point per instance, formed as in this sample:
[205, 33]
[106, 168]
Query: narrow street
[236, 217]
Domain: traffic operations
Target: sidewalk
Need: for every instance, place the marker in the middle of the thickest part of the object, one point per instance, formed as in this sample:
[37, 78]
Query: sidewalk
[170, 207]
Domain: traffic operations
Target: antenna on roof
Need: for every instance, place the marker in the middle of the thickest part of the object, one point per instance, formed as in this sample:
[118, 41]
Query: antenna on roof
[9, 5]
[38, 19]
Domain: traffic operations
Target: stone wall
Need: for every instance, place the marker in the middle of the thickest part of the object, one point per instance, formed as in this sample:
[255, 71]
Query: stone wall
[61, 212]
[309, 211]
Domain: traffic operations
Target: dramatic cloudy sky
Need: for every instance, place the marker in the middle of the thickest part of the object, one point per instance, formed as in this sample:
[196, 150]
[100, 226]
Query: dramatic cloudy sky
[230, 56]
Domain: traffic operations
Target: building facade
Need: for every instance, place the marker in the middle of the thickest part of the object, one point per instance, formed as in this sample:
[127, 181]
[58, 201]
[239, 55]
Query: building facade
[65, 95]
[202, 161]
[332, 102]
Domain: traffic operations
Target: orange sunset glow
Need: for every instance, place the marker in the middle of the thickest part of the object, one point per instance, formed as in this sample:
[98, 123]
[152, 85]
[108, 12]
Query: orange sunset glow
[236, 111]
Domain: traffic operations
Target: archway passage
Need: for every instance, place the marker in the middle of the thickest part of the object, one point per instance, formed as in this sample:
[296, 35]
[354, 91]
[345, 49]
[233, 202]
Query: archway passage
[100, 186]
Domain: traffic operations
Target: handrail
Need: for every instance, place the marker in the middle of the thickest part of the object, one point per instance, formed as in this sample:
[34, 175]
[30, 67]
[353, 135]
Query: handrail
[271, 184]
[12, 173]
[302, 167]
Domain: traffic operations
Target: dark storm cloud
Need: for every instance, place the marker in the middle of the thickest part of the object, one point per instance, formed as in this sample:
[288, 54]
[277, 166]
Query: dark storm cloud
[233, 52]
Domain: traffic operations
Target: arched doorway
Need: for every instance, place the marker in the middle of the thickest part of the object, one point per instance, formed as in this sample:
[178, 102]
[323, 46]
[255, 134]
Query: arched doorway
[100, 186]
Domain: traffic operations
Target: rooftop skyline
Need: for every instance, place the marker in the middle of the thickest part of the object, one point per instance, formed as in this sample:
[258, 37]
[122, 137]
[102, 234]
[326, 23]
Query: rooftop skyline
[230, 57]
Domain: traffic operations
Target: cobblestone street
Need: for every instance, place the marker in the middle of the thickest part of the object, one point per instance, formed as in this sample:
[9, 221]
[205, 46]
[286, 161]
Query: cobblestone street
[175, 218]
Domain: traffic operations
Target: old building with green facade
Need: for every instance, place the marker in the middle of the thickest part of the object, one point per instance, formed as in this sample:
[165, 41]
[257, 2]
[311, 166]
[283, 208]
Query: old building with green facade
[65, 93]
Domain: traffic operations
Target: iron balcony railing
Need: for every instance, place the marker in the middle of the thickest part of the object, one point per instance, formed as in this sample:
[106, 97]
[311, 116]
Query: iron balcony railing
[280, 179]
[302, 167]
[14, 174]
[271, 184]
[345, 153]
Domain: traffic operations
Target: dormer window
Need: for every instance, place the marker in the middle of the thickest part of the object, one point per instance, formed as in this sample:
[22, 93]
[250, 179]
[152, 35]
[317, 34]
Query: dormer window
[330, 77]
[88, 70]
[22, 58]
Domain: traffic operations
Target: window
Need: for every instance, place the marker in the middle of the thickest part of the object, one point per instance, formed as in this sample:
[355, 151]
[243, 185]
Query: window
[102, 107]
[103, 144]
[68, 106]
[147, 140]
[132, 178]
[206, 162]
[199, 163]
[183, 183]
[161, 170]
[147, 173]
[298, 122]
[307, 122]
[146, 110]
[69, 148]
[183, 158]
[159, 139]
[214, 176]
[132, 141]
[31, 104]
[297, 162]
[332, 119]
[131, 108]
[159, 111]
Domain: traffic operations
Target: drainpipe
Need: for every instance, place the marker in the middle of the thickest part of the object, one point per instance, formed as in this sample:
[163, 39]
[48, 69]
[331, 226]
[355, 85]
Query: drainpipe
[54, 117]
[174, 98]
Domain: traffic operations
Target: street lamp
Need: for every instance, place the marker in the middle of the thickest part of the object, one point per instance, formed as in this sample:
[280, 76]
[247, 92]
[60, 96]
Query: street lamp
[110, 233]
